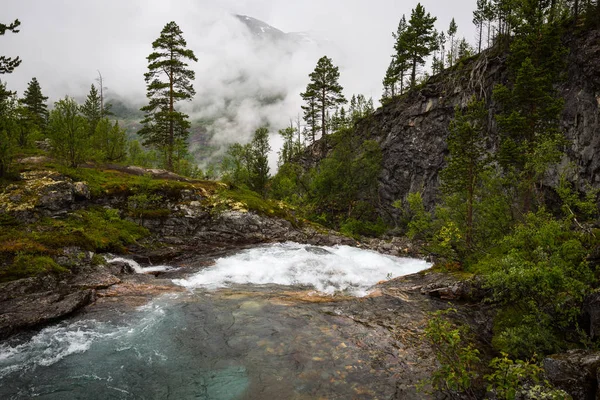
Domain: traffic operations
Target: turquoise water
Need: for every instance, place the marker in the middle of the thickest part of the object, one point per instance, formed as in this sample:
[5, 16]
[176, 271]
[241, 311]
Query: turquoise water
[242, 342]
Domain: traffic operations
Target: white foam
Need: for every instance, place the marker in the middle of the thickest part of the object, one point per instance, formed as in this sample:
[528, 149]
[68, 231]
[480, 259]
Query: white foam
[54, 343]
[341, 268]
[49, 346]
[138, 268]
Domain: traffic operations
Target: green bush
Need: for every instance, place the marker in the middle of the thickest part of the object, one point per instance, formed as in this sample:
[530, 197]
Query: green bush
[356, 228]
[539, 276]
[420, 221]
[458, 359]
[509, 379]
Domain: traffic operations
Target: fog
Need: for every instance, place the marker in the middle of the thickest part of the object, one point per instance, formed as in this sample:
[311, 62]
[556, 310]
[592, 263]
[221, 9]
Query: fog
[64, 44]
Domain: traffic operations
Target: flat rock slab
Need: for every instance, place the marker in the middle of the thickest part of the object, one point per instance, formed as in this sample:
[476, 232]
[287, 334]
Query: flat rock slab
[39, 308]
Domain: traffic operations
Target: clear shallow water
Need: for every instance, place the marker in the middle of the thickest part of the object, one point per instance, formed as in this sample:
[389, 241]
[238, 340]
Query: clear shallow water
[236, 343]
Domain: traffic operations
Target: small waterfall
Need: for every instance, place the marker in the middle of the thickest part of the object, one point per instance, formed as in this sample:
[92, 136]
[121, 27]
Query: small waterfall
[137, 267]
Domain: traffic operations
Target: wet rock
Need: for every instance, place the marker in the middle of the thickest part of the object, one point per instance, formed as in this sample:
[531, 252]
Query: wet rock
[39, 308]
[99, 279]
[24, 287]
[575, 372]
[317, 250]
[120, 267]
[55, 196]
[444, 286]
[74, 257]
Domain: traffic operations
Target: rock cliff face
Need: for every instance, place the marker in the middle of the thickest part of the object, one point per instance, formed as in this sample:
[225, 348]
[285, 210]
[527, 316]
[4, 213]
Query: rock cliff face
[413, 130]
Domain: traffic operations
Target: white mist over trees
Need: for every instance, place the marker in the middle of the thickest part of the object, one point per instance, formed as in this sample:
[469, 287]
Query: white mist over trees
[239, 74]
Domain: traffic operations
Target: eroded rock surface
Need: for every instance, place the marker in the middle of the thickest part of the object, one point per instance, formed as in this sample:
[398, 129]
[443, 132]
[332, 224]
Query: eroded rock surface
[576, 372]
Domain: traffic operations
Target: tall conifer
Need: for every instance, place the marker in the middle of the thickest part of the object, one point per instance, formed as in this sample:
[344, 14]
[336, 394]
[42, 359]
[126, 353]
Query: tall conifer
[92, 110]
[419, 40]
[324, 93]
[35, 103]
[168, 81]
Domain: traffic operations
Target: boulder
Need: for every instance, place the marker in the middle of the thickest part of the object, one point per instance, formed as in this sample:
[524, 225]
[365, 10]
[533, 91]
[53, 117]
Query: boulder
[39, 308]
[81, 190]
[575, 372]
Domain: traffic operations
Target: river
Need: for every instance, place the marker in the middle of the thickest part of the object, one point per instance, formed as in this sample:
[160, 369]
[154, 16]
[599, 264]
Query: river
[265, 323]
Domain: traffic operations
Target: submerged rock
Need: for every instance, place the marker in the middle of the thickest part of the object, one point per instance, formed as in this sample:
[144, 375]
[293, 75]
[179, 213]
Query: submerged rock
[317, 250]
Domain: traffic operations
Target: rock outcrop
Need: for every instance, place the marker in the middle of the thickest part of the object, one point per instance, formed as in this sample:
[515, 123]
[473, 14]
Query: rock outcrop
[576, 372]
[412, 130]
[191, 221]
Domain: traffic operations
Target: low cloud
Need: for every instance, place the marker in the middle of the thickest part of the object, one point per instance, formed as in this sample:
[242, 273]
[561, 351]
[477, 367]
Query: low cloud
[241, 82]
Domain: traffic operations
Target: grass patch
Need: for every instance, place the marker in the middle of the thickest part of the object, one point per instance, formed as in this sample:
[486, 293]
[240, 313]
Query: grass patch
[97, 230]
[26, 265]
[102, 182]
[242, 199]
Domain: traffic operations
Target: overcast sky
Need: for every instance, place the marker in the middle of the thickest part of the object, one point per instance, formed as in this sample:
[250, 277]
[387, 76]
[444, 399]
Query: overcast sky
[64, 42]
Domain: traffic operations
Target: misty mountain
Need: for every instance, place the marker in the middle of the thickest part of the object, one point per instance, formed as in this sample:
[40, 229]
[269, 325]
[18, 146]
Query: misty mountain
[257, 84]
[262, 30]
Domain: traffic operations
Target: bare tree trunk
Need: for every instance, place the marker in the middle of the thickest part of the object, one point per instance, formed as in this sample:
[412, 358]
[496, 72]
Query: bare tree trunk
[323, 113]
[171, 122]
[101, 84]
[413, 76]
[480, 34]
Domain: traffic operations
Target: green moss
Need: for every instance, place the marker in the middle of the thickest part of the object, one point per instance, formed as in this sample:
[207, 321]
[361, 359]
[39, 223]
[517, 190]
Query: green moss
[27, 265]
[97, 230]
[94, 230]
[102, 182]
[244, 200]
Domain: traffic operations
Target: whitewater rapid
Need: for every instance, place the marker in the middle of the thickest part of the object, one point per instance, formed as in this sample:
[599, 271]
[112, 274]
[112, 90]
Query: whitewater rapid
[185, 345]
[326, 269]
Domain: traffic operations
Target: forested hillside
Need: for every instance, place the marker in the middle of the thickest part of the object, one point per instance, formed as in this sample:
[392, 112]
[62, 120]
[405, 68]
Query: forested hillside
[483, 156]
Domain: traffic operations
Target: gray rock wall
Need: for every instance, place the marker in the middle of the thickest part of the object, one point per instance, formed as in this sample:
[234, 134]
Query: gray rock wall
[413, 130]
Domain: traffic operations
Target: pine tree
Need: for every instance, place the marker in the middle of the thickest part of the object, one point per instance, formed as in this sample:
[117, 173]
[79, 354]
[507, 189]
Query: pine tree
[360, 108]
[8, 106]
[489, 13]
[289, 148]
[479, 18]
[92, 110]
[452, 29]
[419, 40]
[467, 160]
[311, 116]
[35, 103]
[390, 81]
[323, 93]
[438, 64]
[463, 50]
[168, 81]
[8, 64]
[401, 56]
[259, 171]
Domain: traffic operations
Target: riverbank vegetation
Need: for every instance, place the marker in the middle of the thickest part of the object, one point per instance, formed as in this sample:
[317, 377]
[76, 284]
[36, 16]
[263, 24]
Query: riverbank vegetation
[533, 245]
